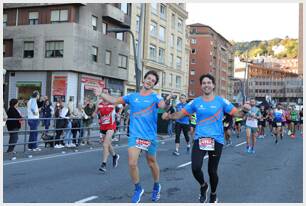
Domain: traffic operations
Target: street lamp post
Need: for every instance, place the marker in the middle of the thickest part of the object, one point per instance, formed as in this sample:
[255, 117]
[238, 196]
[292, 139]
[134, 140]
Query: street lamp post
[137, 70]
[241, 87]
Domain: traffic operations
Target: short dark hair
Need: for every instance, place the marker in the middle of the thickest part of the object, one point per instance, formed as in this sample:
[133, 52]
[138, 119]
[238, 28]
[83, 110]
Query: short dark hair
[209, 76]
[35, 94]
[13, 102]
[153, 73]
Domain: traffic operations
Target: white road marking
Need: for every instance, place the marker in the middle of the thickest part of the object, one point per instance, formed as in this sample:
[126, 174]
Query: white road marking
[240, 144]
[62, 155]
[188, 163]
[87, 199]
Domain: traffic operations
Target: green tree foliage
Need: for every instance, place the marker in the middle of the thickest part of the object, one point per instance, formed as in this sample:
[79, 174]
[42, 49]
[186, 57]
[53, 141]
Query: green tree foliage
[264, 48]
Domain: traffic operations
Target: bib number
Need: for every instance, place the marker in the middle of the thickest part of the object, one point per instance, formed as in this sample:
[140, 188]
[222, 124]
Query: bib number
[279, 124]
[143, 144]
[207, 144]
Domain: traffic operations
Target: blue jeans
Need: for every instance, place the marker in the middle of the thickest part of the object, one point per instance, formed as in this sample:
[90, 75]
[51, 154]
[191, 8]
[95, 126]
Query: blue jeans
[68, 134]
[33, 123]
[47, 124]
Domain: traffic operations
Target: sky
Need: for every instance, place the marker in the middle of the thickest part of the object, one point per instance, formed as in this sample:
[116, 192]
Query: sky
[247, 21]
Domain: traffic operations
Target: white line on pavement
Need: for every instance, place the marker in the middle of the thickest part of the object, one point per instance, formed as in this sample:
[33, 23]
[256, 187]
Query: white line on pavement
[240, 144]
[188, 163]
[87, 199]
[64, 155]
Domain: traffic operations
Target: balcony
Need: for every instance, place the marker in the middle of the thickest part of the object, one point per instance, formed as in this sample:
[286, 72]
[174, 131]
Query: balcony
[114, 14]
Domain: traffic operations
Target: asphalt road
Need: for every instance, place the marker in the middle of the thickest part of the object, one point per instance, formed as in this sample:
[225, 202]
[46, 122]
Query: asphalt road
[274, 174]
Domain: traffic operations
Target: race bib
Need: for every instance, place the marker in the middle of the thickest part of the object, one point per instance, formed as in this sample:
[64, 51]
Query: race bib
[106, 119]
[207, 144]
[143, 144]
[279, 124]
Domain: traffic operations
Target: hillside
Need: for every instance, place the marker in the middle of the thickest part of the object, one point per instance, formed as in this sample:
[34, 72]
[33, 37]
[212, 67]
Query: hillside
[288, 48]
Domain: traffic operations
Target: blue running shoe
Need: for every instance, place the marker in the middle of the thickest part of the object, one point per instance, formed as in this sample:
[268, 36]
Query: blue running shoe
[137, 195]
[253, 151]
[156, 193]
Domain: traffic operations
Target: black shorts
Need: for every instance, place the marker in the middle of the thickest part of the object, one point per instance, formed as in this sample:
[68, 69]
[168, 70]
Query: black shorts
[192, 125]
[104, 131]
[238, 123]
[262, 123]
[274, 124]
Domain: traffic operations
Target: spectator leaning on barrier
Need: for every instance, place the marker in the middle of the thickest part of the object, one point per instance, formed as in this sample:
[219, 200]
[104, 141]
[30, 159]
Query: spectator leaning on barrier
[76, 116]
[13, 125]
[33, 121]
[88, 119]
[65, 114]
[59, 124]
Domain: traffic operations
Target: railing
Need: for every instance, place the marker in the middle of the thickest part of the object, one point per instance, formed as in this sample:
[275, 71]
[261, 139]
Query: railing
[50, 134]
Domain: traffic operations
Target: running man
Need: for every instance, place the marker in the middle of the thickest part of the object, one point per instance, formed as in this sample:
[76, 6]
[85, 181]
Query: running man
[278, 115]
[227, 124]
[238, 124]
[107, 117]
[192, 123]
[251, 125]
[294, 121]
[209, 134]
[143, 131]
[262, 122]
[181, 124]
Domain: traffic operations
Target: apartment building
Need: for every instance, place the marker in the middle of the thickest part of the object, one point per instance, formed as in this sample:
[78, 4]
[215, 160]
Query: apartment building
[165, 47]
[210, 53]
[63, 50]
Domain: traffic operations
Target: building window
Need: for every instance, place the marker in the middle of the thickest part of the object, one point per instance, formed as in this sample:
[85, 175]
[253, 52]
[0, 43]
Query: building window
[171, 80]
[193, 61]
[4, 20]
[163, 11]
[171, 60]
[172, 40]
[58, 16]
[194, 30]
[193, 51]
[94, 22]
[191, 93]
[191, 82]
[193, 41]
[178, 62]
[33, 17]
[173, 21]
[192, 72]
[108, 55]
[124, 8]
[154, 8]
[153, 29]
[152, 52]
[122, 61]
[178, 81]
[180, 25]
[161, 55]
[54, 49]
[179, 43]
[104, 28]
[137, 23]
[94, 54]
[162, 33]
[28, 51]
[119, 36]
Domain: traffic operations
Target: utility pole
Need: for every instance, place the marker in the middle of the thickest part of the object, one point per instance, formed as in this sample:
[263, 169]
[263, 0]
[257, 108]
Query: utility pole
[139, 47]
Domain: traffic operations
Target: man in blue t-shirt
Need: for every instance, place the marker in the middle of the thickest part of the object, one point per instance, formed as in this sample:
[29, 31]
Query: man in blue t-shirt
[209, 134]
[181, 124]
[143, 130]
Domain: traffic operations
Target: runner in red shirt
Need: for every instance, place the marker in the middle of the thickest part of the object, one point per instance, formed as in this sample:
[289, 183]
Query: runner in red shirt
[107, 121]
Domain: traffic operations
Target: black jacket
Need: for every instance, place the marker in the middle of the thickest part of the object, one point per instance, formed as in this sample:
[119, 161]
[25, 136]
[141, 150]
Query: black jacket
[12, 112]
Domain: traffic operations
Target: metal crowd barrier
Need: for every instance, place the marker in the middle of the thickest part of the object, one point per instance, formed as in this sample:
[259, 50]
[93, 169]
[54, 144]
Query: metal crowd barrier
[25, 130]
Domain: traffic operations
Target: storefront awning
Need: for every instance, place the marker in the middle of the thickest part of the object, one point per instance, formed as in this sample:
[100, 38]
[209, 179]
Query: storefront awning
[28, 84]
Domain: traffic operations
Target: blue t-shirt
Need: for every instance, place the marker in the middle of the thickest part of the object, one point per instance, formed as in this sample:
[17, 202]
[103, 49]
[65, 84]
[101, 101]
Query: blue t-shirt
[278, 114]
[185, 119]
[209, 116]
[143, 114]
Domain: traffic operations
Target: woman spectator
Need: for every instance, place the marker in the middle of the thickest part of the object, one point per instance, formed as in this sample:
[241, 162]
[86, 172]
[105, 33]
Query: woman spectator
[47, 111]
[13, 125]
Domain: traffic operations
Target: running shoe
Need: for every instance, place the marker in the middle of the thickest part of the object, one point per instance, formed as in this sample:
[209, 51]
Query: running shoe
[188, 148]
[103, 168]
[137, 195]
[115, 160]
[203, 194]
[213, 198]
[156, 193]
[176, 153]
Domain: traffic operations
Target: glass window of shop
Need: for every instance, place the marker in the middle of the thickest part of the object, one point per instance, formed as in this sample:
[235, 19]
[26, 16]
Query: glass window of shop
[25, 90]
